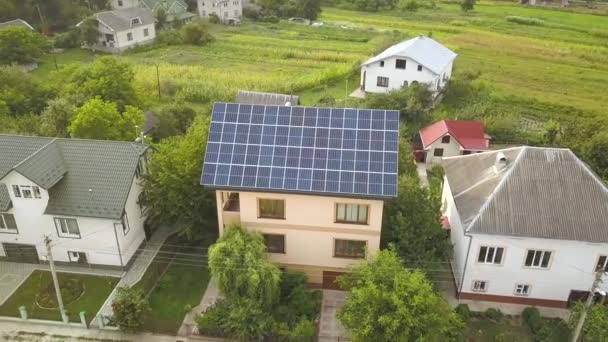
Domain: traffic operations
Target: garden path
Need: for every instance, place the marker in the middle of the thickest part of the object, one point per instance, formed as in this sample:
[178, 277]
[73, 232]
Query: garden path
[212, 294]
[330, 329]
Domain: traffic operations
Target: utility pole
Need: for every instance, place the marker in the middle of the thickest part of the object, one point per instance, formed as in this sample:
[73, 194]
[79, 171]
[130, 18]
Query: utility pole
[49, 255]
[158, 81]
[581, 321]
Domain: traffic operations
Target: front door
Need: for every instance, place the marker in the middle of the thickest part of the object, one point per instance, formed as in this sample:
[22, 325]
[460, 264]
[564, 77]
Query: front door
[21, 253]
[329, 280]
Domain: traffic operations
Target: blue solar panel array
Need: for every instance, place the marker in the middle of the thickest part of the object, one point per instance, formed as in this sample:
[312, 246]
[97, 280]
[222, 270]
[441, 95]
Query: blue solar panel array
[303, 149]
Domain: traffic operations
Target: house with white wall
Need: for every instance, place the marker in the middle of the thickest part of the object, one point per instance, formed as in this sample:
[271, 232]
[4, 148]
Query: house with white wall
[528, 224]
[420, 60]
[225, 10]
[175, 10]
[450, 138]
[123, 29]
[82, 194]
[312, 181]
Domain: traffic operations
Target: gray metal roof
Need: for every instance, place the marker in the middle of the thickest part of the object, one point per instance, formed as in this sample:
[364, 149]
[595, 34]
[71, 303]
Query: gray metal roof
[254, 97]
[120, 19]
[90, 178]
[16, 23]
[5, 198]
[541, 192]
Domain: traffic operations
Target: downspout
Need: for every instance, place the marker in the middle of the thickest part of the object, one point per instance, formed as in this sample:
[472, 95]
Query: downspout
[122, 264]
[466, 262]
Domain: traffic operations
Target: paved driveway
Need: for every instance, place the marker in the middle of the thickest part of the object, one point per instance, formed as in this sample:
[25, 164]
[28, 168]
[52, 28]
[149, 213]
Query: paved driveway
[12, 274]
[330, 329]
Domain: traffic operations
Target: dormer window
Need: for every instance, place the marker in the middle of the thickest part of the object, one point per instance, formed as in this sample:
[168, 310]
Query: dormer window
[135, 21]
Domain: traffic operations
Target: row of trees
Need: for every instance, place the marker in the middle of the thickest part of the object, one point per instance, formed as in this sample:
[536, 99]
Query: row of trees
[309, 9]
[403, 5]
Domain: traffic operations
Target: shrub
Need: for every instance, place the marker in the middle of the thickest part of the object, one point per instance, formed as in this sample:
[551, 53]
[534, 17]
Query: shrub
[214, 19]
[467, 5]
[251, 13]
[464, 312]
[493, 314]
[129, 308]
[211, 322]
[66, 40]
[525, 20]
[170, 37]
[195, 33]
[408, 5]
[531, 317]
[270, 19]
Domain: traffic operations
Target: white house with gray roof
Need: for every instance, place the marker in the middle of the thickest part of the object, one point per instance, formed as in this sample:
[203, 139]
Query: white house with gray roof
[420, 60]
[123, 29]
[529, 225]
[175, 10]
[83, 194]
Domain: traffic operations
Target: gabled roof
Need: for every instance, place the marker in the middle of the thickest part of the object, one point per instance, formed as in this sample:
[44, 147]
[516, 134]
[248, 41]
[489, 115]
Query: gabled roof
[166, 4]
[120, 19]
[469, 134]
[423, 50]
[254, 97]
[540, 193]
[16, 23]
[89, 178]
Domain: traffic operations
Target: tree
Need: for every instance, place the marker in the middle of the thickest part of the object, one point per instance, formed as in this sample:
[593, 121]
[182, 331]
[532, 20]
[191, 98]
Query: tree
[595, 328]
[161, 18]
[21, 93]
[172, 192]
[195, 33]
[309, 9]
[21, 45]
[596, 154]
[239, 263]
[412, 224]
[56, 118]
[129, 306]
[552, 129]
[107, 78]
[387, 302]
[173, 120]
[413, 103]
[467, 5]
[89, 33]
[98, 119]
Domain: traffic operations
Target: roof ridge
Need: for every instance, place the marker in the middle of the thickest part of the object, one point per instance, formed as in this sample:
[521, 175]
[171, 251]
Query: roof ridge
[589, 171]
[496, 189]
[33, 154]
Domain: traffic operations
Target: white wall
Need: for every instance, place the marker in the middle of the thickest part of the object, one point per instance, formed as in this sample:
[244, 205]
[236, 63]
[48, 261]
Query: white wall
[397, 77]
[450, 149]
[125, 4]
[121, 41]
[130, 242]
[457, 236]
[231, 9]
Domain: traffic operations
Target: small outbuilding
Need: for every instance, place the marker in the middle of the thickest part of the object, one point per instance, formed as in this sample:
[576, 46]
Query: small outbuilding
[254, 97]
[450, 138]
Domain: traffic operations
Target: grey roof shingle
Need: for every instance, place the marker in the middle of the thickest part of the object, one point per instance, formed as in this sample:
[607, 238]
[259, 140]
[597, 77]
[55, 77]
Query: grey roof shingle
[120, 19]
[542, 193]
[96, 175]
[254, 97]
[5, 198]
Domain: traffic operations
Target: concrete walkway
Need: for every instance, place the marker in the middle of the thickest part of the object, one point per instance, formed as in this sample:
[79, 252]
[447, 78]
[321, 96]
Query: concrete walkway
[421, 170]
[330, 329]
[212, 294]
[138, 267]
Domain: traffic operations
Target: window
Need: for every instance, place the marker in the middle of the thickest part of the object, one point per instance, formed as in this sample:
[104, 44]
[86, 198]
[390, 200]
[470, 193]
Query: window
[135, 21]
[36, 191]
[445, 139]
[67, 227]
[146, 32]
[349, 249]
[438, 152]
[8, 224]
[522, 289]
[405, 84]
[400, 63]
[225, 4]
[490, 255]
[538, 258]
[602, 263]
[382, 64]
[79, 257]
[419, 67]
[275, 243]
[271, 208]
[129, 36]
[26, 191]
[464, 153]
[382, 81]
[119, 3]
[352, 213]
[16, 191]
[125, 223]
[480, 286]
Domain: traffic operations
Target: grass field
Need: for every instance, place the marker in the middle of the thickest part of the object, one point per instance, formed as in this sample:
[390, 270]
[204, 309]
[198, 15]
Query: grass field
[96, 291]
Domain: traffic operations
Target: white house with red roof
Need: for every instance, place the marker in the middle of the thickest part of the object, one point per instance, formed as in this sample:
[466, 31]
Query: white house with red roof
[449, 138]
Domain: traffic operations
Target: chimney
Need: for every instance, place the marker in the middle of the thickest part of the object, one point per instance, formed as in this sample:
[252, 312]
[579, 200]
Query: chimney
[500, 163]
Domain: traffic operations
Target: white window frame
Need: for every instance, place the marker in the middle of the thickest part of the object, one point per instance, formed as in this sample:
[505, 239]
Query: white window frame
[4, 226]
[492, 260]
[26, 191]
[76, 252]
[130, 36]
[604, 265]
[519, 290]
[475, 285]
[381, 84]
[124, 220]
[61, 222]
[542, 255]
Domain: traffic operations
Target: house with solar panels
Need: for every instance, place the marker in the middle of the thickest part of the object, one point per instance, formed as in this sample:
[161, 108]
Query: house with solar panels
[82, 194]
[311, 180]
[420, 60]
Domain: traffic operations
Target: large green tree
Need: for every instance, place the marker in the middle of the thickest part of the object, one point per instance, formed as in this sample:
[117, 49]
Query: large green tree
[21, 45]
[595, 328]
[172, 191]
[21, 93]
[387, 302]
[596, 154]
[412, 223]
[239, 263]
[56, 118]
[130, 307]
[98, 119]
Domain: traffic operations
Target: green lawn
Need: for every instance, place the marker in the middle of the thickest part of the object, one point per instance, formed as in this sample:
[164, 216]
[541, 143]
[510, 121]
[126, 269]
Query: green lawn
[488, 331]
[96, 291]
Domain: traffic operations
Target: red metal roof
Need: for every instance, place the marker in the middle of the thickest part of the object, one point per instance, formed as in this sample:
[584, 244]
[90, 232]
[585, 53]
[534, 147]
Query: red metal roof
[469, 134]
[445, 222]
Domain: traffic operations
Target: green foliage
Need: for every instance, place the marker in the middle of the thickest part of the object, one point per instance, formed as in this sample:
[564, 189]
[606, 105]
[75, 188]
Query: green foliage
[196, 33]
[596, 153]
[174, 119]
[295, 300]
[21, 93]
[21, 45]
[88, 30]
[493, 314]
[98, 119]
[552, 130]
[525, 20]
[309, 9]
[467, 5]
[532, 318]
[413, 102]
[408, 5]
[214, 19]
[212, 322]
[69, 39]
[56, 118]
[387, 302]
[172, 194]
[238, 261]
[595, 328]
[412, 223]
[129, 306]
[161, 18]
[270, 9]
[463, 311]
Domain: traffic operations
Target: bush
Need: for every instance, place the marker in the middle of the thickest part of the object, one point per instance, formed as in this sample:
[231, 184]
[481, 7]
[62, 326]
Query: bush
[493, 314]
[270, 19]
[251, 13]
[408, 5]
[214, 19]
[525, 20]
[170, 37]
[464, 312]
[211, 322]
[129, 306]
[467, 5]
[531, 317]
[195, 33]
[66, 40]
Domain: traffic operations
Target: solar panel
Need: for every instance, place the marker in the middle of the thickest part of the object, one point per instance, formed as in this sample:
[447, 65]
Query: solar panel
[339, 151]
